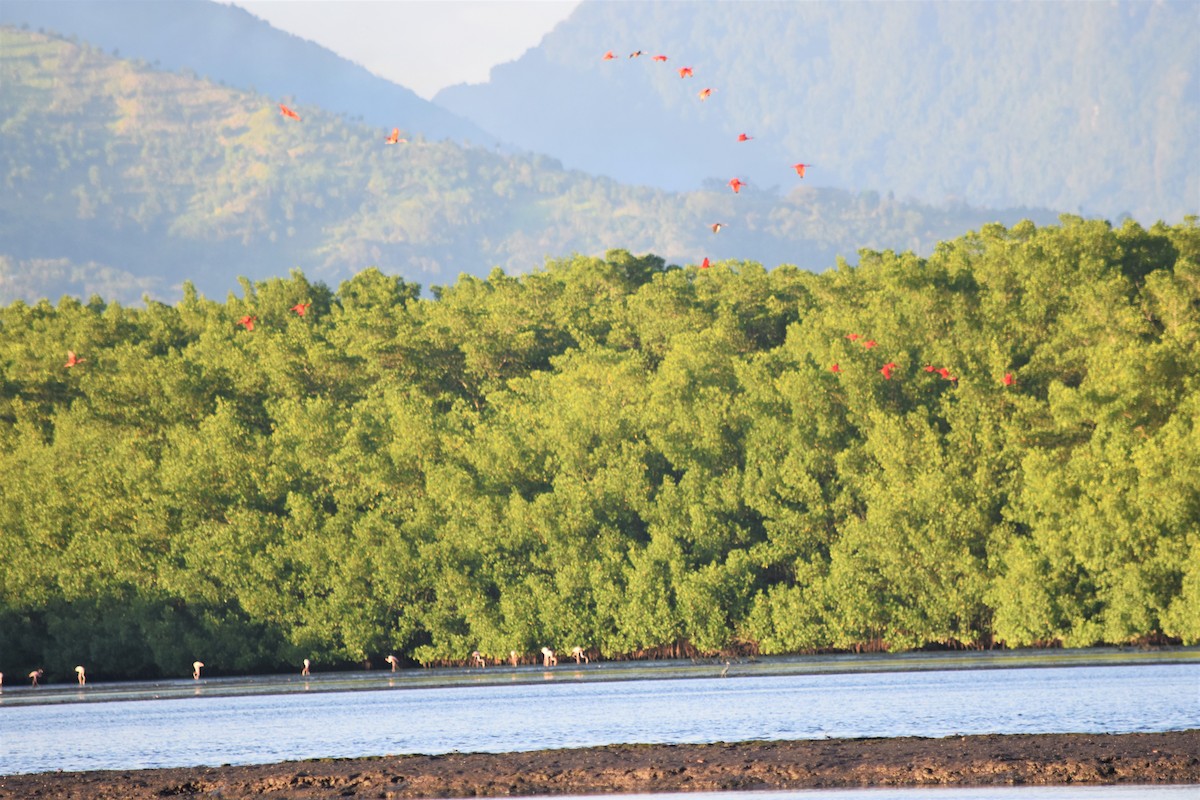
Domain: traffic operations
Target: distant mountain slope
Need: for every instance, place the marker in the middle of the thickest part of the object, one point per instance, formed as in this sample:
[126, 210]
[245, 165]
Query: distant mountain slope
[231, 46]
[122, 179]
[1091, 107]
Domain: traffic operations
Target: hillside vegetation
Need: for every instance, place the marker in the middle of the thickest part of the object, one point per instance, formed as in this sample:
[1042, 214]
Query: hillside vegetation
[613, 453]
[1092, 108]
[231, 46]
[120, 179]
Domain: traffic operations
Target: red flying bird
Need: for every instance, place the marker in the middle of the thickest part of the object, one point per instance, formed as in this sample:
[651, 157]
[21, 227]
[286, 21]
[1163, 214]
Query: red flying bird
[887, 370]
[704, 264]
[869, 343]
[685, 72]
[287, 112]
[73, 359]
[609, 56]
[247, 322]
[395, 137]
[744, 138]
[835, 368]
[736, 185]
[716, 227]
[300, 308]
[1009, 380]
[659, 58]
[800, 168]
[704, 93]
[635, 54]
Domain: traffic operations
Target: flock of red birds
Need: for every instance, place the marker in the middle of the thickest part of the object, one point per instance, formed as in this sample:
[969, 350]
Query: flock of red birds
[735, 183]
[887, 369]
[248, 321]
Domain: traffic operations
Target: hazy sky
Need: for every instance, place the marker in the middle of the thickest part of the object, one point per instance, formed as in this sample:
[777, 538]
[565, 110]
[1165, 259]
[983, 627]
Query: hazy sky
[424, 45]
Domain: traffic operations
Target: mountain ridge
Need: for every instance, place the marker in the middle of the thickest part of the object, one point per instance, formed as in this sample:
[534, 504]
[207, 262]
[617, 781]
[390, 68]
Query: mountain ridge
[232, 46]
[1086, 108]
[128, 179]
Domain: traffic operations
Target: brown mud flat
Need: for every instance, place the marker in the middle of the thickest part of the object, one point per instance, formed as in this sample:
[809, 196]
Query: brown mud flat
[1043, 759]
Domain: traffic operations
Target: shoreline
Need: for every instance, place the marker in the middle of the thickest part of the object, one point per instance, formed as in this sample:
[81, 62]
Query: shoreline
[438, 677]
[1171, 757]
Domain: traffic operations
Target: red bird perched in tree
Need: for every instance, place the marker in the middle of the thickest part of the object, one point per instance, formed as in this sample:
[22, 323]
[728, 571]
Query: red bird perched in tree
[869, 343]
[300, 308]
[854, 337]
[944, 372]
[800, 168]
[247, 322]
[929, 367]
[685, 72]
[395, 137]
[716, 227]
[705, 93]
[704, 264]
[1009, 379]
[287, 112]
[660, 58]
[744, 138]
[736, 185]
[609, 56]
[887, 370]
[835, 368]
[73, 359]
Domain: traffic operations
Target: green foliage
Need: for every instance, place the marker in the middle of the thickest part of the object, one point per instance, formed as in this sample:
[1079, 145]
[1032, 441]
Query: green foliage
[613, 453]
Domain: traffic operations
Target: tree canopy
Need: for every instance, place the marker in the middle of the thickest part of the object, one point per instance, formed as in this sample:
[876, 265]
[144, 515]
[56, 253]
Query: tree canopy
[615, 453]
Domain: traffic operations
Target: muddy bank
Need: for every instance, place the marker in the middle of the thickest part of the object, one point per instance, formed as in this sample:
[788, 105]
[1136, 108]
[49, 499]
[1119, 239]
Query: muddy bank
[1048, 759]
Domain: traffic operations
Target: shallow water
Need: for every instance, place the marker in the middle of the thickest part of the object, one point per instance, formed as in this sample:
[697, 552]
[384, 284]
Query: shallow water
[265, 720]
[97, 691]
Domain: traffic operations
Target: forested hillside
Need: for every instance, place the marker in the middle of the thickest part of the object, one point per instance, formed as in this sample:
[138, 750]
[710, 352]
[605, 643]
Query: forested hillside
[1092, 108]
[997, 444]
[121, 179]
[230, 46]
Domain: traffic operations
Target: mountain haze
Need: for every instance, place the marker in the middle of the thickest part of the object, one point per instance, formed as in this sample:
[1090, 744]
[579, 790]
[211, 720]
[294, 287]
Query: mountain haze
[1085, 107]
[228, 45]
[123, 179]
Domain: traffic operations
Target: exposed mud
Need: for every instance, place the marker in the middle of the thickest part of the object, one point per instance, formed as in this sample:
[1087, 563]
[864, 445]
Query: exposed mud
[1048, 759]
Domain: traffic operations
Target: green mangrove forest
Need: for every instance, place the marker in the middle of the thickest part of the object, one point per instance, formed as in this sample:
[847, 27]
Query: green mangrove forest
[997, 445]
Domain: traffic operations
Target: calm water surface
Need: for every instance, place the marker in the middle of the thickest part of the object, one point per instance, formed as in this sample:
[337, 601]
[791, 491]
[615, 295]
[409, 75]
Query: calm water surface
[263, 720]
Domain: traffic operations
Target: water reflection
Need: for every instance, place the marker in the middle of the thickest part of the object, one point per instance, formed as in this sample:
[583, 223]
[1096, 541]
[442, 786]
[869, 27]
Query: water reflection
[263, 720]
[605, 671]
